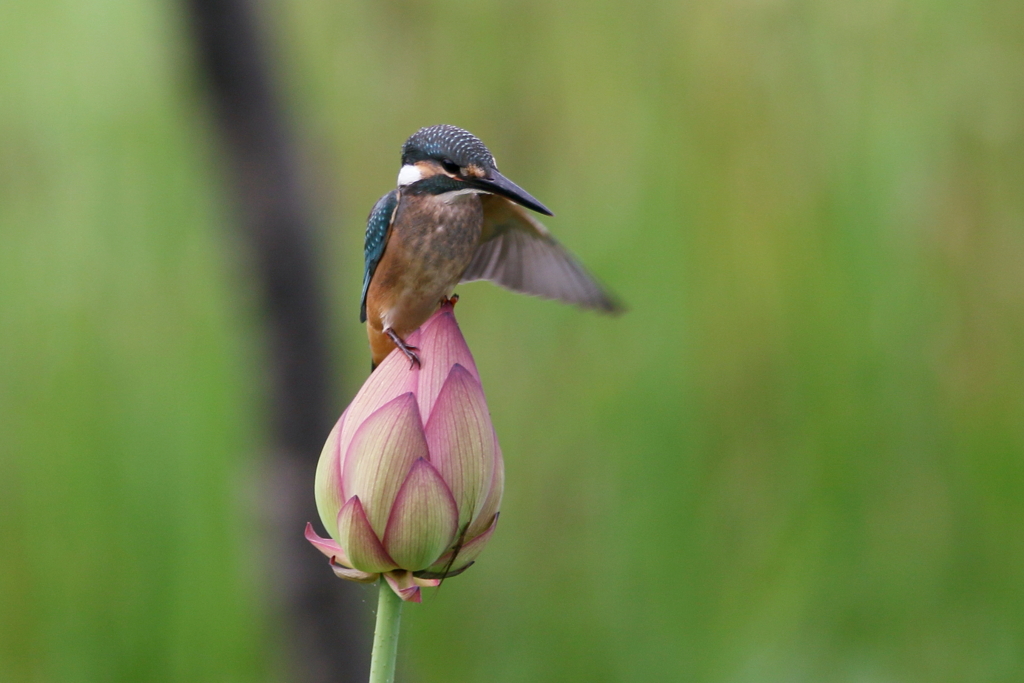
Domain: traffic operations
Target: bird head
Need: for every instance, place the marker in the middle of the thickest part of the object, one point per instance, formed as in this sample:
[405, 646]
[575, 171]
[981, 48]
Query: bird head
[451, 159]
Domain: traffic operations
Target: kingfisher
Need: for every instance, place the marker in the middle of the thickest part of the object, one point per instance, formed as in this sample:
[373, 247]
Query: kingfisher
[454, 218]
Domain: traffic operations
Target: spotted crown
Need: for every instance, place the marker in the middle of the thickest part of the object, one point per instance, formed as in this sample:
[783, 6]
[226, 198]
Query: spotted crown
[450, 142]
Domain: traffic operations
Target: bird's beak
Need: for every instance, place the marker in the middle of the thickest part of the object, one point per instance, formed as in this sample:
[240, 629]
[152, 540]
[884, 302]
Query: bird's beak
[496, 183]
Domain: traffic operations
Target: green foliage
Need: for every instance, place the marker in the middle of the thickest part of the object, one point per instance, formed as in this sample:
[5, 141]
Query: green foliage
[125, 406]
[797, 458]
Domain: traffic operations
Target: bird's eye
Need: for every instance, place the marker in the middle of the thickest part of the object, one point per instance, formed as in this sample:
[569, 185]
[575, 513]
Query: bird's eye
[450, 166]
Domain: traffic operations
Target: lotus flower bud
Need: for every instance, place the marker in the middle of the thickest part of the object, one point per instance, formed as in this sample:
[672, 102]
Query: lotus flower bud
[410, 479]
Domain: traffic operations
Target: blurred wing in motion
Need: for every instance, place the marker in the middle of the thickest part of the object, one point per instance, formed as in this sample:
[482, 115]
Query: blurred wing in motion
[517, 252]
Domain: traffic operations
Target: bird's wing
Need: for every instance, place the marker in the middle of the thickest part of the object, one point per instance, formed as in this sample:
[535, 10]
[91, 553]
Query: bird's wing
[517, 252]
[378, 229]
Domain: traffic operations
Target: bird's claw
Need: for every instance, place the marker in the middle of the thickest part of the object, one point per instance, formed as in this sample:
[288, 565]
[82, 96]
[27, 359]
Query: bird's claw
[454, 299]
[409, 351]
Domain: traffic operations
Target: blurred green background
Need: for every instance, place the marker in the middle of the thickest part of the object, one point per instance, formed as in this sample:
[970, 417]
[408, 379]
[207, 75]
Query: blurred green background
[799, 457]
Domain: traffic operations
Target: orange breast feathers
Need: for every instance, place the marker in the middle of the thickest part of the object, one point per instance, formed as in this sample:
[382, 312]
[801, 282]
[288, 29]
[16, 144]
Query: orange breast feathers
[405, 291]
[432, 241]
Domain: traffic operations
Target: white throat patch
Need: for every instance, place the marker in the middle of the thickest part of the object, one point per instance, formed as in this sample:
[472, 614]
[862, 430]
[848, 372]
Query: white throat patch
[409, 174]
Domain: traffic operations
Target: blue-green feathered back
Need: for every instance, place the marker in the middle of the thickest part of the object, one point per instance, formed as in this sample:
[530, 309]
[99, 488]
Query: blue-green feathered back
[377, 227]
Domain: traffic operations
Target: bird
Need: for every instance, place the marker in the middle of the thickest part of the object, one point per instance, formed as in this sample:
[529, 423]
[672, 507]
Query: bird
[455, 218]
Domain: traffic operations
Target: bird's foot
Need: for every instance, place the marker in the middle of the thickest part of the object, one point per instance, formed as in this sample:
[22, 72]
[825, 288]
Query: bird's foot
[409, 351]
[454, 299]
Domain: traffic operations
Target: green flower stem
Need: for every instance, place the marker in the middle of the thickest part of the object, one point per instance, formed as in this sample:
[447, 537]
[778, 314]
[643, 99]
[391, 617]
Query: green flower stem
[385, 635]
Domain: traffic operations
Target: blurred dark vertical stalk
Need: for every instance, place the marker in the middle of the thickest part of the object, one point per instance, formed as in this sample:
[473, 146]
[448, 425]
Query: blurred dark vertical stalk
[324, 641]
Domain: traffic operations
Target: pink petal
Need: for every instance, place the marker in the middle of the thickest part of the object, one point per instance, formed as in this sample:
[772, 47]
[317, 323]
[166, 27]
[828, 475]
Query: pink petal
[441, 346]
[404, 585]
[357, 538]
[327, 486]
[426, 583]
[423, 520]
[466, 555]
[339, 561]
[461, 442]
[352, 574]
[382, 451]
[392, 378]
[328, 546]
[493, 501]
